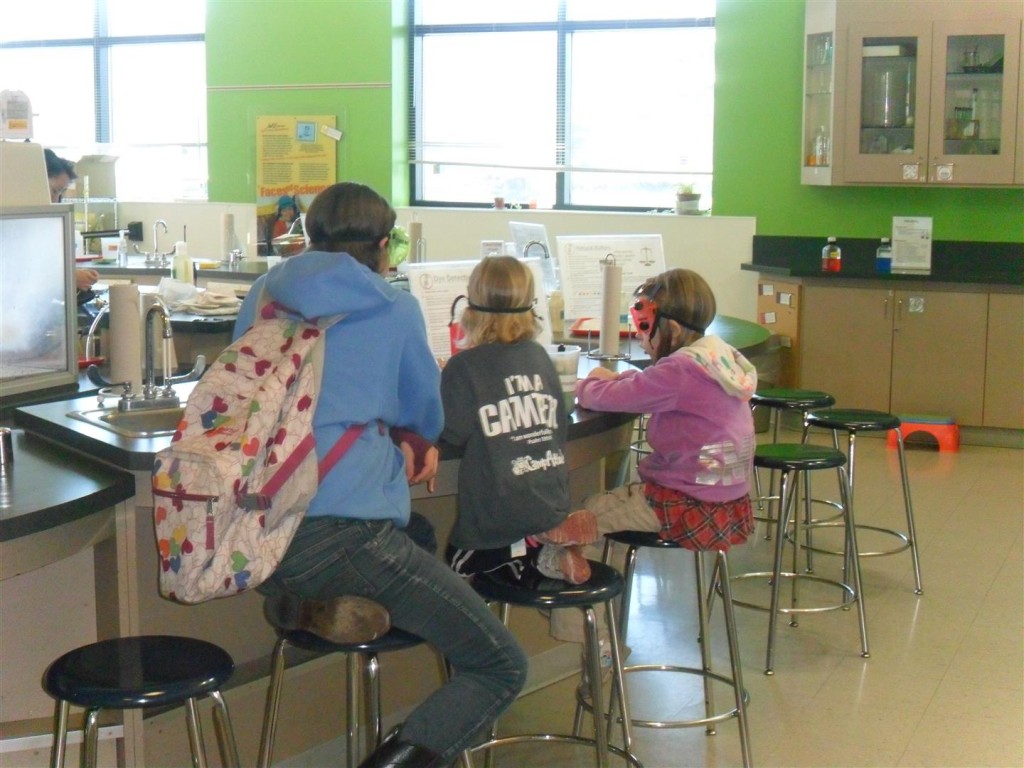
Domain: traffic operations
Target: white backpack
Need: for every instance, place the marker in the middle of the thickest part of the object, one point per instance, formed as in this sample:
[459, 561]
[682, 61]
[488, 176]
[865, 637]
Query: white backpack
[233, 486]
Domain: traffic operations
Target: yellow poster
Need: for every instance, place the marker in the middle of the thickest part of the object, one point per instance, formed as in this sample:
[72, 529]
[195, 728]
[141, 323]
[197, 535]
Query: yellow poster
[296, 158]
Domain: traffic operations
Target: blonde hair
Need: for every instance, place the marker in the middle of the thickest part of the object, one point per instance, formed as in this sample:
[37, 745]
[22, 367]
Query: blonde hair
[497, 283]
[684, 296]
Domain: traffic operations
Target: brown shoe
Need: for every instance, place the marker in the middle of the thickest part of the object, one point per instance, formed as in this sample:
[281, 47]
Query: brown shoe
[580, 527]
[344, 620]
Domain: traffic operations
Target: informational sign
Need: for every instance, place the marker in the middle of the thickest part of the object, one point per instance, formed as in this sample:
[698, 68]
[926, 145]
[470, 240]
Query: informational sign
[296, 159]
[436, 285]
[580, 259]
[912, 244]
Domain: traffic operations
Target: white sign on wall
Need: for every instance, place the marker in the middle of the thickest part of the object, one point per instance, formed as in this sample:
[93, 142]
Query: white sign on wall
[436, 285]
[580, 258]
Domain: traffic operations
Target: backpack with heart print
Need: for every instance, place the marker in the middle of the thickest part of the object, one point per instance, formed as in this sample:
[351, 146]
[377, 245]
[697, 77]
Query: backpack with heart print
[241, 469]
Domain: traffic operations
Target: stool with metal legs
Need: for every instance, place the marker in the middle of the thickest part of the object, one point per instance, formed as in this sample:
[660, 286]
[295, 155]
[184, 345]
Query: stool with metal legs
[362, 675]
[792, 460]
[780, 401]
[137, 673]
[637, 448]
[605, 584]
[852, 422]
[636, 540]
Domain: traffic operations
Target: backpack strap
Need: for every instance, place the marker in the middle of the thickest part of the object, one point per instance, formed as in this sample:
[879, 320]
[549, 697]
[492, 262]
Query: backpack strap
[339, 449]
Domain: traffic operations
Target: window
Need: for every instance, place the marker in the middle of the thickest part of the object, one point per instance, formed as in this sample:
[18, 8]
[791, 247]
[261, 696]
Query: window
[561, 103]
[116, 77]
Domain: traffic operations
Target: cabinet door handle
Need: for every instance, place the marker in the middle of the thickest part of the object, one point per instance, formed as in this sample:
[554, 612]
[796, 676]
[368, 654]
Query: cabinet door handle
[899, 309]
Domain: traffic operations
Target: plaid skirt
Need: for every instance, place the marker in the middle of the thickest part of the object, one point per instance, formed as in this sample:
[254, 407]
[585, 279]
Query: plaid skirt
[700, 525]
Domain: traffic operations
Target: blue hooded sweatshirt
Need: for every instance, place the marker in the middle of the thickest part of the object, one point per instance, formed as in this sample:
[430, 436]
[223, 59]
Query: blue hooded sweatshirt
[378, 368]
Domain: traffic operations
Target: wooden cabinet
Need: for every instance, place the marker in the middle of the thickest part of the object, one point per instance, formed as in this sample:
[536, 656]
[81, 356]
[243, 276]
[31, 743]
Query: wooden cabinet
[901, 351]
[912, 93]
[1004, 368]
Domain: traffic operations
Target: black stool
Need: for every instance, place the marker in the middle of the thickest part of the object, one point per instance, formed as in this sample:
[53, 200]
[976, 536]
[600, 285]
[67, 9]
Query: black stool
[136, 673]
[792, 459]
[362, 674]
[634, 541]
[853, 421]
[780, 401]
[604, 585]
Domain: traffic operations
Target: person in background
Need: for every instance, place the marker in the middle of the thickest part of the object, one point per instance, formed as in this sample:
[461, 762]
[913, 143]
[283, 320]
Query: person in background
[694, 484]
[378, 370]
[503, 407]
[60, 173]
[287, 213]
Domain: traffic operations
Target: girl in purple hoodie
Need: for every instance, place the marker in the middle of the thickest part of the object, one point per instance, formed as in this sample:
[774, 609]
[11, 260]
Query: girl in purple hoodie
[694, 484]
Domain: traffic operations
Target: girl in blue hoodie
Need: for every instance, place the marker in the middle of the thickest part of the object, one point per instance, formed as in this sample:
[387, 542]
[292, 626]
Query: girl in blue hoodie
[379, 371]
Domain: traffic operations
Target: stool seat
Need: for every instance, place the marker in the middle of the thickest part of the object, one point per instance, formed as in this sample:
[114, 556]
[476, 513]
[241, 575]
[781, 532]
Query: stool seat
[604, 584]
[797, 456]
[642, 539]
[135, 672]
[395, 640]
[853, 420]
[792, 399]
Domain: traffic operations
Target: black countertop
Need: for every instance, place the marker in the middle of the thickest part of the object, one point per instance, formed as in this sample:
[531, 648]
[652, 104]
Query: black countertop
[977, 263]
[44, 487]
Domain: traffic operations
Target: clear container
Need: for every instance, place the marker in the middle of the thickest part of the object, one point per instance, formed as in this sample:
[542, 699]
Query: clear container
[831, 257]
[883, 257]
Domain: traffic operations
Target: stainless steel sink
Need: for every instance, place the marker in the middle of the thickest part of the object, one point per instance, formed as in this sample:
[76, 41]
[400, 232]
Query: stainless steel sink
[141, 422]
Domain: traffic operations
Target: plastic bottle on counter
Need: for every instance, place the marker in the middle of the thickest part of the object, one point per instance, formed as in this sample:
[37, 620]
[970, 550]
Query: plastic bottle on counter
[122, 248]
[831, 257]
[883, 257]
[183, 270]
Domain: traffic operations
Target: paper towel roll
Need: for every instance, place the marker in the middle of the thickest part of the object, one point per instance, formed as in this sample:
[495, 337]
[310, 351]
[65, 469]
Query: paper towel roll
[125, 335]
[611, 298]
[227, 234]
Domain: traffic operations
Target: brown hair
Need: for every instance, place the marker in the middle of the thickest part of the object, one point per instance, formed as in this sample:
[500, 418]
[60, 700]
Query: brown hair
[496, 283]
[351, 218]
[684, 296]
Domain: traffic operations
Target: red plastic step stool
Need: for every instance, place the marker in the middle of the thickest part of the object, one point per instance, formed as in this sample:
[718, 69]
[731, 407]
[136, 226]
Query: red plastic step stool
[943, 428]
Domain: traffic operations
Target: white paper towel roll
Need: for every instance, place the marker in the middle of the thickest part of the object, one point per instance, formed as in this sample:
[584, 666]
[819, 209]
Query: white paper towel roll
[125, 335]
[611, 298]
[227, 234]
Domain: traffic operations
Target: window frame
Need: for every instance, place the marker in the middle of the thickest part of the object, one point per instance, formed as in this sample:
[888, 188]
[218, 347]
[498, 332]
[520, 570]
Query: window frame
[101, 43]
[563, 28]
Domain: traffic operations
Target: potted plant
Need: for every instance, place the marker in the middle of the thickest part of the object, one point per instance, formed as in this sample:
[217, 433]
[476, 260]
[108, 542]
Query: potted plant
[687, 200]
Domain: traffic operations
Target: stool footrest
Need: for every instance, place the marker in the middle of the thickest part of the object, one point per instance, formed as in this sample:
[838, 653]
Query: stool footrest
[505, 741]
[849, 596]
[860, 527]
[696, 722]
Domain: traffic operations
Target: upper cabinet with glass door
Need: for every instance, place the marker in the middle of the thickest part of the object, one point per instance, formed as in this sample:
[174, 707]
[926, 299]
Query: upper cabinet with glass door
[923, 99]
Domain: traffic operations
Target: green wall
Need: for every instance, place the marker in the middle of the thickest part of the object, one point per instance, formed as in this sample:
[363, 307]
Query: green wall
[255, 49]
[256, 46]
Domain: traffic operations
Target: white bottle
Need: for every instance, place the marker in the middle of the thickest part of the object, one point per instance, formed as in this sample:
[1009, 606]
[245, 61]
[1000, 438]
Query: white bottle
[122, 248]
[182, 263]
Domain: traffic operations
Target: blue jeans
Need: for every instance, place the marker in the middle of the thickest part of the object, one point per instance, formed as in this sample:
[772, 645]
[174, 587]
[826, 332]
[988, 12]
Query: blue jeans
[334, 556]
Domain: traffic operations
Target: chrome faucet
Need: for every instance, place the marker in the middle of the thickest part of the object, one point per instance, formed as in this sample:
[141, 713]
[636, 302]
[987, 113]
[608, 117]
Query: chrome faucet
[149, 388]
[156, 257]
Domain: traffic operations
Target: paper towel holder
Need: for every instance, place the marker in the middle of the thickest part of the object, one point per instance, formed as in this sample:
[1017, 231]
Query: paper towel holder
[598, 354]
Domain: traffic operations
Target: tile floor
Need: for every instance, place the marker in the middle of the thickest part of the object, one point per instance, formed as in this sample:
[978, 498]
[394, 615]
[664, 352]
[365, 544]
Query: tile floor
[944, 685]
